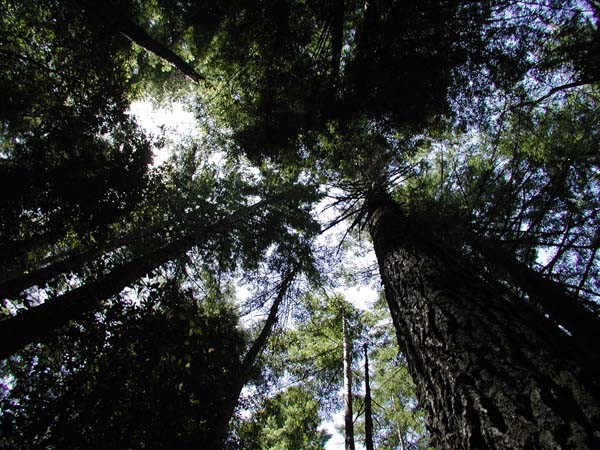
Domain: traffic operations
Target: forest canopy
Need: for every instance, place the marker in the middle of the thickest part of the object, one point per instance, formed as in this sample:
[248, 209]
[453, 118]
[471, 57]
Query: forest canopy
[457, 140]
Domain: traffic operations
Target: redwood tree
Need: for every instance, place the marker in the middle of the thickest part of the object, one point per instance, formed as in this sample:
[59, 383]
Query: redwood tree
[488, 371]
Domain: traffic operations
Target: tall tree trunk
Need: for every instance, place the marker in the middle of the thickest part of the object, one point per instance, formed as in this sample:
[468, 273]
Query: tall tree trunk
[15, 254]
[247, 366]
[337, 39]
[37, 322]
[12, 287]
[118, 19]
[138, 35]
[348, 415]
[564, 308]
[397, 428]
[399, 431]
[489, 372]
[368, 409]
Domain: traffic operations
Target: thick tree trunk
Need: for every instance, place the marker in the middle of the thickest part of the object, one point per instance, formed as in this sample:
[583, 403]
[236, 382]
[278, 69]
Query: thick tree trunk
[368, 409]
[489, 372]
[37, 322]
[348, 415]
[564, 308]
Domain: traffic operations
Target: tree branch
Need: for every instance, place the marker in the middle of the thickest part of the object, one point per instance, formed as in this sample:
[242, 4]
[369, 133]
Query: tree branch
[137, 35]
[551, 92]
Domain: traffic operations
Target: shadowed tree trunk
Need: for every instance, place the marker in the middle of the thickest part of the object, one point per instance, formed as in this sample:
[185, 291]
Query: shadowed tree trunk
[12, 287]
[137, 35]
[337, 39]
[368, 410]
[35, 323]
[348, 416]
[489, 372]
[248, 365]
[118, 19]
[564, 308]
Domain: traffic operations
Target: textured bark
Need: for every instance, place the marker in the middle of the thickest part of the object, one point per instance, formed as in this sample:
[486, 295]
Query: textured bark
[564, 308]
[489, 372]
[368, 410]
[37, 322]
[348, 415]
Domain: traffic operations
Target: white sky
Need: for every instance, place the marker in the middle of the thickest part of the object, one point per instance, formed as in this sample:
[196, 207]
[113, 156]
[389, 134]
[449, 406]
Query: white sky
[175, 122]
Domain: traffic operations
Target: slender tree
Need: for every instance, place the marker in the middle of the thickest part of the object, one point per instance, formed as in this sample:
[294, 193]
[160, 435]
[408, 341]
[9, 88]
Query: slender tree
[348, 414]
[13, 286]
[368, 405]
[138, 36]
[248, 363]
[37, 322]
[398, 418]
[119, 19]
[566, 309]
[174, 359]
[292, 80]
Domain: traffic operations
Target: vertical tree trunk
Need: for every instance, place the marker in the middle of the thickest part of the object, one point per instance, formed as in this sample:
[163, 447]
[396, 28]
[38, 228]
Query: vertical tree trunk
[489, 372]
[399, 432]
[337, 39]
[348, 415]
[368, 409]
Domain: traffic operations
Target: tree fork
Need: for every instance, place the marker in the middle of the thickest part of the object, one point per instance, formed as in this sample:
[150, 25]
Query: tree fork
[488, 371]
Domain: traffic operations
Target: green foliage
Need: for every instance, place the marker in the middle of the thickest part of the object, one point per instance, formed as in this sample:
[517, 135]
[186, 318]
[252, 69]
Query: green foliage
[288, 421]
[458, 107]
[72, 161]
[267, 85]
[148, 375]
[311, 356]
[311, 352]
[398, 420]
